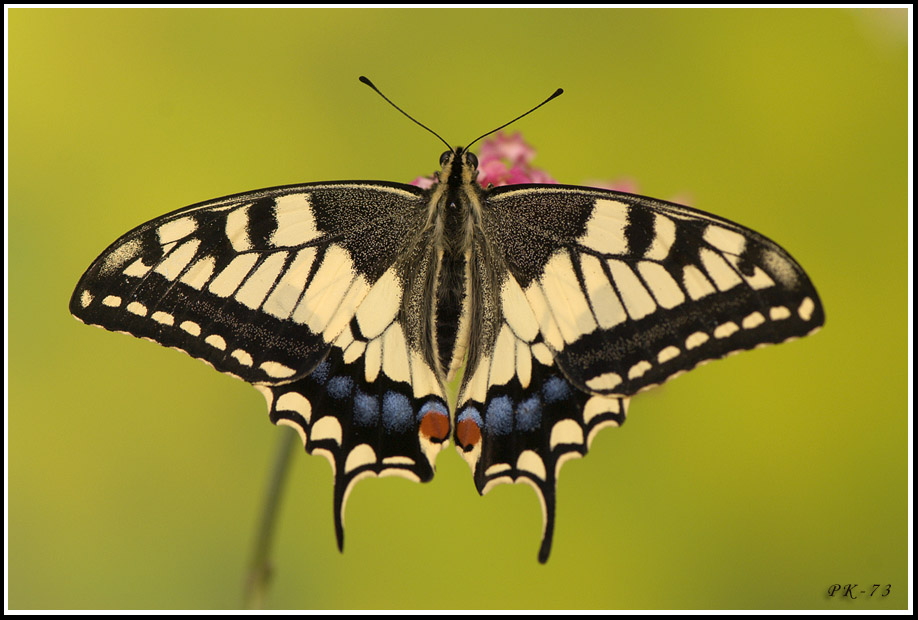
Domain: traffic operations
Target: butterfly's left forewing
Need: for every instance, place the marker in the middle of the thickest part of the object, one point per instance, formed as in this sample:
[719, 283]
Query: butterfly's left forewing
[599, 295]
[299, 291]
[630, 291]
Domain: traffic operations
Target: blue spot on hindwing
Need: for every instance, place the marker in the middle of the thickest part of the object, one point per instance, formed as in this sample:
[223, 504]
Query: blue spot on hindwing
[529, 414]
[499, 415]
[320, 373]
[366, 409]
[397, 414]
[555, 389]
[432, 405]
[340, 387]
[470, 412]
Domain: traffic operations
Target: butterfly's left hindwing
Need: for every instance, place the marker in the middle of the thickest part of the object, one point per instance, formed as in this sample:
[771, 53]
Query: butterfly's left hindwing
[519, 419]
[298, 290]
[598, 295]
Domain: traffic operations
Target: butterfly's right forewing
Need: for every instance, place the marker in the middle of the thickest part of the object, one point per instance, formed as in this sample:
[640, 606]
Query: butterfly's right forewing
[256, 284]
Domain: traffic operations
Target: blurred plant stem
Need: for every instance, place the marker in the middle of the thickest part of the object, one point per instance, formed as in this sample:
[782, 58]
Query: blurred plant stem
[259, 573]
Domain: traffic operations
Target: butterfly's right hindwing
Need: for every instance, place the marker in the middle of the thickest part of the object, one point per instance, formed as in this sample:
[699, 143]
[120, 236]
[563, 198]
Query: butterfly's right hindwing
[298, 290]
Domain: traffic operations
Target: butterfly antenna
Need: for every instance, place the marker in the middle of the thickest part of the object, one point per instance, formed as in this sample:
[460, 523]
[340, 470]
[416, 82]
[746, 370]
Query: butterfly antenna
[367, 81]
[553, 95]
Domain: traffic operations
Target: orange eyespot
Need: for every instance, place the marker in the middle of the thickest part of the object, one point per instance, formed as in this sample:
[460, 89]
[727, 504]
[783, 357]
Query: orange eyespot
[467, 433]
[435, 426]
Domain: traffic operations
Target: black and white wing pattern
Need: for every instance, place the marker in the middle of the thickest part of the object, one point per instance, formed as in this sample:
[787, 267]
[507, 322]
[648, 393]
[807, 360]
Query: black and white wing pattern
[281, 288]
[590, 296]
[349, 305]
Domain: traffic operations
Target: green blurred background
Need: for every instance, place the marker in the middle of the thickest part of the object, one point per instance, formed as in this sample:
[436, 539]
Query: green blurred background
[136, 474]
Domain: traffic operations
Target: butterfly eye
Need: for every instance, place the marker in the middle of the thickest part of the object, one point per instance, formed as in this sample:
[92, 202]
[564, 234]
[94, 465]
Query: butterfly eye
[445, 157]
[471, 160]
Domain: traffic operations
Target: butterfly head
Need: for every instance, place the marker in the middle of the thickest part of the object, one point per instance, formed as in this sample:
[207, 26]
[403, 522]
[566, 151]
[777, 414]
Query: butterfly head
[458, 166]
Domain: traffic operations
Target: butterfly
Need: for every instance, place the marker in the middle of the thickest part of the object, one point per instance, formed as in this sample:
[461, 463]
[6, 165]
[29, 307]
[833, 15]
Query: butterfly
[350, 306]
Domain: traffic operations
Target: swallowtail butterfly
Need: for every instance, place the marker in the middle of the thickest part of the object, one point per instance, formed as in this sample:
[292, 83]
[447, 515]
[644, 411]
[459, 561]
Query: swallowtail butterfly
[351, 304]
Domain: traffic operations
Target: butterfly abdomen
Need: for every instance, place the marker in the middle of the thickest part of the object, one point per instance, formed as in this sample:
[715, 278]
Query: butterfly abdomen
[451, 280]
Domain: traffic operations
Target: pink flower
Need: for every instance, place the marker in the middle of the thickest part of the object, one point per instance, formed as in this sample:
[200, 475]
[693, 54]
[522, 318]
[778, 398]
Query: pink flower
[503, 160]
[510, 148]
[424, 182]
[506, 160]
